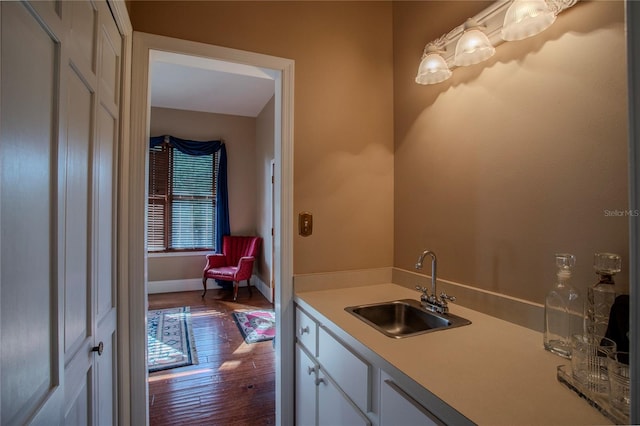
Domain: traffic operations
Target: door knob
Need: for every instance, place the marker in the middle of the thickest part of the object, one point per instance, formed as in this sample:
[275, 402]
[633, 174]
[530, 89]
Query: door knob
[98, 348]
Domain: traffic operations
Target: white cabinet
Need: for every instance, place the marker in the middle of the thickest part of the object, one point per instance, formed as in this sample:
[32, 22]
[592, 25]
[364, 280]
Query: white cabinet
[327, 385]
[306, 376]
[339, 385]
[349, 371]
[334, 407]
[397, 408]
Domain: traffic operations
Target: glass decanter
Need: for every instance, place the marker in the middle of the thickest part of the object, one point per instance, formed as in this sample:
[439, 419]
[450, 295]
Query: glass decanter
[563, 310]
[600, 297]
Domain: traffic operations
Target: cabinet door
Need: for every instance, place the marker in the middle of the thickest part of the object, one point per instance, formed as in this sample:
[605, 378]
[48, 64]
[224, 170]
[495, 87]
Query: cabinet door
[397, 408]
[306, 375]
[346, 368]
[334, 408]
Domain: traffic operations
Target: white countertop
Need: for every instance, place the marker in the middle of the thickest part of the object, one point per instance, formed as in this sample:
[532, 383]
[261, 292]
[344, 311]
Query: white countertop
[492, 371]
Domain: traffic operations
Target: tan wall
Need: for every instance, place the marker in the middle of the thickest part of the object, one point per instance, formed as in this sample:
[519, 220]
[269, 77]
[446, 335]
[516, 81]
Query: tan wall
[514, 159]
[492, 189]
[343, 165]
[265, 130]
[239, 134]
[171, 268]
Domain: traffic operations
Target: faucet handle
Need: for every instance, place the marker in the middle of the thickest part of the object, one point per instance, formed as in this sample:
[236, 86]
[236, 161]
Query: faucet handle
[424, 290]
[445, 296]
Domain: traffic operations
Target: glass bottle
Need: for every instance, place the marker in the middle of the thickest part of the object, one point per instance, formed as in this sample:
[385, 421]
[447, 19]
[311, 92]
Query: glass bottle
[563, 310]
[600, 297]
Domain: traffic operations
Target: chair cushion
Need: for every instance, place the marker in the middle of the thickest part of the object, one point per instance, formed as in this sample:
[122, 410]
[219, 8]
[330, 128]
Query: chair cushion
[222, 273]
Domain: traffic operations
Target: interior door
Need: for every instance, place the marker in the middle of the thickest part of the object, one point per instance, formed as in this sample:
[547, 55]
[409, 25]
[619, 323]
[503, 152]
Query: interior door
[60, 73]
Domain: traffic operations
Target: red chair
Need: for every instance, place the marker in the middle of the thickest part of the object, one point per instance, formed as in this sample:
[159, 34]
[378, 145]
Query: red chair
[235, 263]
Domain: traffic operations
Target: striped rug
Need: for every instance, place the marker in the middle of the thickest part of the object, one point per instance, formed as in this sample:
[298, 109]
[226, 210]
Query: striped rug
[170, 342]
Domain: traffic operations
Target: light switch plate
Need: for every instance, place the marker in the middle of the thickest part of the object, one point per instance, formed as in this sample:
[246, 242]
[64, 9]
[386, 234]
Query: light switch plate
[305, 224]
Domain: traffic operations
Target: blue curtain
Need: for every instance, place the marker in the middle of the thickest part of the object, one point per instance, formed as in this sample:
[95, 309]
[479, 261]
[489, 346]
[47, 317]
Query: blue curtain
[222, 194]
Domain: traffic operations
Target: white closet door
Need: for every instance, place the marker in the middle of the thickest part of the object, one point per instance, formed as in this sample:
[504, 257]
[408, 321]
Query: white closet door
[60, 73]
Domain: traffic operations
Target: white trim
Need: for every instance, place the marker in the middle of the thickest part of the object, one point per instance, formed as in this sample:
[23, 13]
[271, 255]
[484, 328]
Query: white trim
[123, 416]
[195, 284]
[151, 254]
[142, 45]
[121, 16]
[284, 308]
[263, 288]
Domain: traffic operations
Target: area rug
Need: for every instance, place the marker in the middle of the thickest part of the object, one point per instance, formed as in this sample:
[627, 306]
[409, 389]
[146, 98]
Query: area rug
[256, 325]
[170, 341]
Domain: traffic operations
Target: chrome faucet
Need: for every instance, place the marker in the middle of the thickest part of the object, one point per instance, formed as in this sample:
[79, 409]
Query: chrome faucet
[431, 301]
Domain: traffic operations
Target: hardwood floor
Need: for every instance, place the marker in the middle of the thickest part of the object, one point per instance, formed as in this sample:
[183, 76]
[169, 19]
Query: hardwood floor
[233, 383]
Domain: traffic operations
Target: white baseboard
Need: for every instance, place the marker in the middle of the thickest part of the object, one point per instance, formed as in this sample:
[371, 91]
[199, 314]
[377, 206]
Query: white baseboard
[193, 284]
[262, 287]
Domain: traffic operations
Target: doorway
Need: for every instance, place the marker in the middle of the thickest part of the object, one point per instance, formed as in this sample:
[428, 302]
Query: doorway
[143, 45]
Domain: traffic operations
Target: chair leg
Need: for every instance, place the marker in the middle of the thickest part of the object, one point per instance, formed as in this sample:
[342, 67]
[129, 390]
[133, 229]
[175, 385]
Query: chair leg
[249, 287]
[204, 284]
[235, 290]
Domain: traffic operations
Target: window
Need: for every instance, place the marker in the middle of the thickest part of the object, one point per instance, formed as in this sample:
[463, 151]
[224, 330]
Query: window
[182, 194]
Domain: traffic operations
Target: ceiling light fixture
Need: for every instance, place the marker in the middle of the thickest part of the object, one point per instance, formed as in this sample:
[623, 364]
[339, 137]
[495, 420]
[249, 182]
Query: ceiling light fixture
[476, 39]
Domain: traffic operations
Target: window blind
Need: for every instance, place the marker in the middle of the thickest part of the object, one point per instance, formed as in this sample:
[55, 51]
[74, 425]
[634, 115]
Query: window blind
[181, 208]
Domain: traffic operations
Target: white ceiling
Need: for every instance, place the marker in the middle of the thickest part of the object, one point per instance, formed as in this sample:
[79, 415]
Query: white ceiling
[207, 85]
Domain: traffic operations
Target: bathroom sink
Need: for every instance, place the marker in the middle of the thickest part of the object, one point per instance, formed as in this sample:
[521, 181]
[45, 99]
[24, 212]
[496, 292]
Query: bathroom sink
[404, 318]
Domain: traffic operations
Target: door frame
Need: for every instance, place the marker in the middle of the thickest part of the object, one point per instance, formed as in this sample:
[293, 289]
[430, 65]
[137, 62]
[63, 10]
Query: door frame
[632, 10]
[272, 225]
[133, 183]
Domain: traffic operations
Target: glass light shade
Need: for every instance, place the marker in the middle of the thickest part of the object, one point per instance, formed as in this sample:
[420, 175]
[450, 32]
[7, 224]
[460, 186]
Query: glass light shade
[526, 18]
[473, 47]
[433, 69]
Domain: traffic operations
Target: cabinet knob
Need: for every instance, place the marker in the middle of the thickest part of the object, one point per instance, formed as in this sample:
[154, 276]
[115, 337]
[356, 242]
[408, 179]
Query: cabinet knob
[311, 370]
[320, 380]
[98, 348]
[304, 330]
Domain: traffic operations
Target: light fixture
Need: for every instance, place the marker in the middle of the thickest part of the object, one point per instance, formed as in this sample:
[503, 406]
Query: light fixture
[433, 68]
[526, 18]
[476, 39]
[473, 46]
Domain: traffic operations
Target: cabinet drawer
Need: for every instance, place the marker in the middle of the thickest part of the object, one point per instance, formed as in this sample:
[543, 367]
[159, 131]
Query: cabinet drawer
[306, 331]
[351, 373]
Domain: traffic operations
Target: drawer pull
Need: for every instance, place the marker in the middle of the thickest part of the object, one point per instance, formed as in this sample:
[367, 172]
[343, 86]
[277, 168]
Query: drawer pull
[304, 330]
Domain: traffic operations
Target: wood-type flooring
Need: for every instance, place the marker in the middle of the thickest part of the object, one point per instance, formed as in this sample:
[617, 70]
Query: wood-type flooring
[233, 383]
